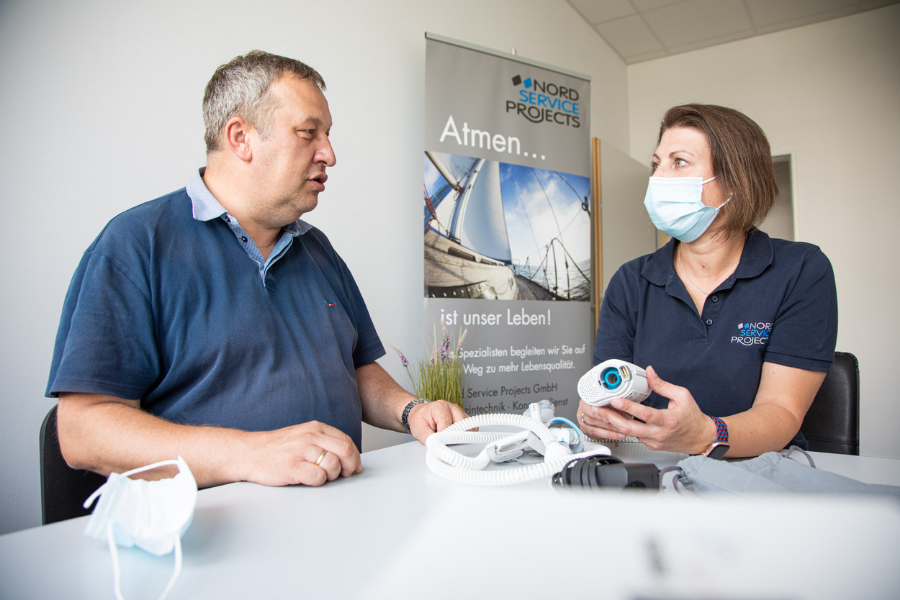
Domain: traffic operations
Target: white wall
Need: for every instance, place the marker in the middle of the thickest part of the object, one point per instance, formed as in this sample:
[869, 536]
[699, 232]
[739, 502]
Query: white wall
[101, 106]
[829, 95]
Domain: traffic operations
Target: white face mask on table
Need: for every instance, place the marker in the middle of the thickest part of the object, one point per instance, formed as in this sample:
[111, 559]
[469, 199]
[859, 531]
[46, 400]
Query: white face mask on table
[152, 515]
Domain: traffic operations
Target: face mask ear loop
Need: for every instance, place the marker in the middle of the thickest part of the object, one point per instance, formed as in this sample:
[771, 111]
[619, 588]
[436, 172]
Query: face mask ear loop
[114, 552]
[162, 463]
[94, 496]
[177, 571]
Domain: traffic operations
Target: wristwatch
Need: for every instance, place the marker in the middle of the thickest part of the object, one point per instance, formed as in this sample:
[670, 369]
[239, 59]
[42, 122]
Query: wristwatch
[719, 447]
[404, 420]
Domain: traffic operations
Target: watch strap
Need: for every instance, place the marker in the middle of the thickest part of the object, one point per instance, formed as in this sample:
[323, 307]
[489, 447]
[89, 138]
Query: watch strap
[404, 420]
[720, 446]
[721, 430]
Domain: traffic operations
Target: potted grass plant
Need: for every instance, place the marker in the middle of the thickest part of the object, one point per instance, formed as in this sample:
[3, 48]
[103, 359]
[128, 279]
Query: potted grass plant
[438, 376]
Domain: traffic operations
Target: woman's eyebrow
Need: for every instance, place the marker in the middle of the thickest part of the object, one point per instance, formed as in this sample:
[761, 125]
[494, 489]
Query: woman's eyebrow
[674, 152]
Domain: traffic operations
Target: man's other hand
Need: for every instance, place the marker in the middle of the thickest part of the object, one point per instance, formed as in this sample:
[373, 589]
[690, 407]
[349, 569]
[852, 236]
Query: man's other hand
[431, 417]
[290, 455]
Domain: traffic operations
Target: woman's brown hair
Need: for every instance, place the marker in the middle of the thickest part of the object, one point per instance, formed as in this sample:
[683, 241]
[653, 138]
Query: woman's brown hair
[742, 161]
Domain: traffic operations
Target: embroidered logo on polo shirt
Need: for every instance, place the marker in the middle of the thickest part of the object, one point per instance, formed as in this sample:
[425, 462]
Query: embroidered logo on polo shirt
[752, 334]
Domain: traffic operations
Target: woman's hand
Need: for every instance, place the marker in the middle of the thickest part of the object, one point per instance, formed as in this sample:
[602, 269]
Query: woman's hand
[682, 427]
[595, 421]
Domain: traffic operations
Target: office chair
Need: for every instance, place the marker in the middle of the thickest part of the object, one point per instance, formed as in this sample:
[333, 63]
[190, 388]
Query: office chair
[63, 489]
[832, 423]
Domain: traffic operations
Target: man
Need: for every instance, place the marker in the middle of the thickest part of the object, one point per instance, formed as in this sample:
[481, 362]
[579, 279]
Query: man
[214, 324]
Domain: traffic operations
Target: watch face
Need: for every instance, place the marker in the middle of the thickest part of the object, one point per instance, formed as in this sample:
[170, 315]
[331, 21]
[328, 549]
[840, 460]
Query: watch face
[717, 450]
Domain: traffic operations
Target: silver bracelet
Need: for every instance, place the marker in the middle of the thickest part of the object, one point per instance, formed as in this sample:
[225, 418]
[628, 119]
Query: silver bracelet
[404, 420]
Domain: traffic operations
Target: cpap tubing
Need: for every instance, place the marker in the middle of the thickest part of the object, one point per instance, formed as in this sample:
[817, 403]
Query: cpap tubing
[450, 464]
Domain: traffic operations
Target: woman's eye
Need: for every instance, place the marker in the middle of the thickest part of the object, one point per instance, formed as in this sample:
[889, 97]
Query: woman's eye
[653, 167]
[680, 162]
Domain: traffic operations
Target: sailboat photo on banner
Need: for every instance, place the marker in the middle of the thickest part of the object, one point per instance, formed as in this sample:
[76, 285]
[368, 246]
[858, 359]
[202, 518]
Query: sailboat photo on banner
[500, 231]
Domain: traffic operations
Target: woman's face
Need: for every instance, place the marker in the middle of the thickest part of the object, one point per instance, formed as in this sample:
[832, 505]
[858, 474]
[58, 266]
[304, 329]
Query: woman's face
[684, 152]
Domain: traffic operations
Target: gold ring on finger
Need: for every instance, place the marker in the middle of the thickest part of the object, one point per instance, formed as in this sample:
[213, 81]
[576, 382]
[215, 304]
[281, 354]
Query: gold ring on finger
[321, 457]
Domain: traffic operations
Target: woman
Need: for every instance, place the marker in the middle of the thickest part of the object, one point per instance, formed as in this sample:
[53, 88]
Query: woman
[736, 330]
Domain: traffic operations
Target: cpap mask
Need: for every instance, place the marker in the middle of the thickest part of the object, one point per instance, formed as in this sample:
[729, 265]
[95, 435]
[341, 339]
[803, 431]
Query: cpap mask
[613, 379]
[556, 439]
[152, 515]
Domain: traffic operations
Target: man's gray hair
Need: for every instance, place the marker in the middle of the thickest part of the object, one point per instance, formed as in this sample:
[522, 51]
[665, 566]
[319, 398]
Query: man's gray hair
[241, 86]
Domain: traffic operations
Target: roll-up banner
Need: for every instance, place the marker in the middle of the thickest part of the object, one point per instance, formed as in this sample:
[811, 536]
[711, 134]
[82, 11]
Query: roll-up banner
[507, 223]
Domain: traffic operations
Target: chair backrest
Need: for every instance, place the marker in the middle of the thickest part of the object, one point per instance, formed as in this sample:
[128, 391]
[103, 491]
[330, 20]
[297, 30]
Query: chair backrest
[63, 489]
[832, 423]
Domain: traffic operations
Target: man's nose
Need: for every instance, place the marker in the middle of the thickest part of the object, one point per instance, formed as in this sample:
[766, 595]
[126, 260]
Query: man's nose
[326, 153]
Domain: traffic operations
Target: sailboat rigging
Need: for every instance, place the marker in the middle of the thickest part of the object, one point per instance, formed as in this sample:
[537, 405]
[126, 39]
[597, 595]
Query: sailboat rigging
[468, 252]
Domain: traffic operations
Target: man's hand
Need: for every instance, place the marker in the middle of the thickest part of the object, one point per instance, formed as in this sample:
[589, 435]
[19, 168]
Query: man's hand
[290, 455]
[107, 434]
[431, 417]
[682, 427]
[383, 402]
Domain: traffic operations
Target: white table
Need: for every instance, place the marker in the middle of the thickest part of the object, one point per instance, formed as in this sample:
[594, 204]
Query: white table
[862, 468]
[397, 531]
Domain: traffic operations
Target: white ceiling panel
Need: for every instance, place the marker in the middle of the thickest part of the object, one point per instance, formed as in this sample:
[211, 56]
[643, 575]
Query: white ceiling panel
[640, 30]
[600, 12]
[807, 20]
[769, 12]
[697, 20]
[629, 36]
[645, 5]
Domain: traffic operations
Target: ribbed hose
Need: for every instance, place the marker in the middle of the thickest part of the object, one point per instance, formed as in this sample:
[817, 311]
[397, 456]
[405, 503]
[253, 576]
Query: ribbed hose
[452, 465]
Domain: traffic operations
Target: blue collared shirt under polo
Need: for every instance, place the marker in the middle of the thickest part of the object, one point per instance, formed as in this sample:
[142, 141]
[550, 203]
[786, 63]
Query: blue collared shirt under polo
[205, 207]
[166, 306]
[779, 306]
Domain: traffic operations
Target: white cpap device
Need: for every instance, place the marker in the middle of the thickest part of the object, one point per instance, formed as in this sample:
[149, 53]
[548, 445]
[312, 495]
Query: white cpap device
[613, 379]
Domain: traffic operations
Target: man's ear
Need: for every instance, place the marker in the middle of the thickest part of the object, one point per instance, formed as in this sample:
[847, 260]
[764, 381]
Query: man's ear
[237, 138]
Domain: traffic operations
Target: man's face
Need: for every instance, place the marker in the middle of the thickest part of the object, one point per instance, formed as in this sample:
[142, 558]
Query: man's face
[289, 165]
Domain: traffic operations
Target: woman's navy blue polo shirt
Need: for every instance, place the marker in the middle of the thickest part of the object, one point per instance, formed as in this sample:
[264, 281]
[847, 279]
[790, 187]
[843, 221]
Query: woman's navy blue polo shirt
[779, 306]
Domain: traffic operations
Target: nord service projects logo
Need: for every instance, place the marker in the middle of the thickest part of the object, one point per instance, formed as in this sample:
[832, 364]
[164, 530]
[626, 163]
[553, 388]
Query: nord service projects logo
[752, 334]
[543, 101]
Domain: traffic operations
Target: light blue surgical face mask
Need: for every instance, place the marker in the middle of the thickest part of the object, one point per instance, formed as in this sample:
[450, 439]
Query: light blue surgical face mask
[676, 209]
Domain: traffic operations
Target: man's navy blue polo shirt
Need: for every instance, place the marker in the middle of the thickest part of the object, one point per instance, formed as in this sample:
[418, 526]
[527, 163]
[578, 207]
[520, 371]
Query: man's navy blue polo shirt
[779, 306]
[175, 310]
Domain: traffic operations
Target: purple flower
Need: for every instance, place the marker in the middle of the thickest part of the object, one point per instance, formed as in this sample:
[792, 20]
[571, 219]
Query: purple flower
[403, 360]
[445, 347]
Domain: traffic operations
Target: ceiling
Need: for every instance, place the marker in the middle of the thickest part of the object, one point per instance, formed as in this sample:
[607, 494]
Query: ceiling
[640, 30]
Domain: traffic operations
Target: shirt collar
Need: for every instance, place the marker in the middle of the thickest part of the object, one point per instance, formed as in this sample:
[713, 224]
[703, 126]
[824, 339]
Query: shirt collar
[205, 207]
[755, 258]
